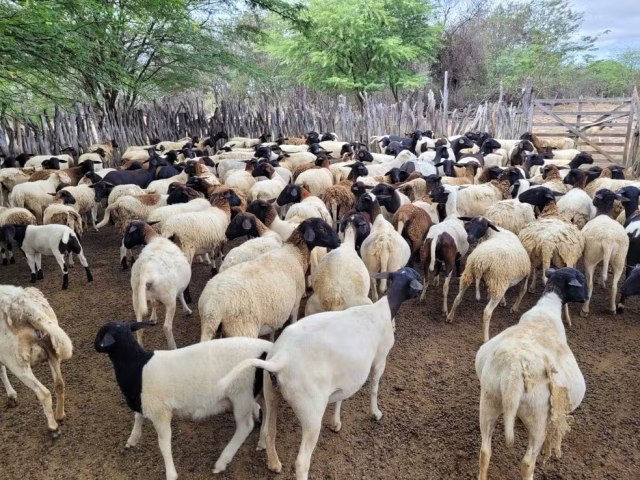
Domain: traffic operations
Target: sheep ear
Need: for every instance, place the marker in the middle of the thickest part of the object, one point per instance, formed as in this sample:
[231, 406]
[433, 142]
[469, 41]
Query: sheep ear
[465, 219]
[107, 340]
[416, 286]
[549, 272]
[246, 224]
[621, 198]
[493, 227]
[383, 275]
[575, 283]
[138, 325]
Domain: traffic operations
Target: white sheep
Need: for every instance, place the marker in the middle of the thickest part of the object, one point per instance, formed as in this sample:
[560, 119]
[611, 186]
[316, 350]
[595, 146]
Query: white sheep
[160, 274]
[606, 241]
[36, 240]
[341, 279]
[243, 224]
[265, 291]
[30, 334]
[18, 216]
[307, 364]
[36, 196]
[475, 200]
[576, 205]
[133, 207]
[66, 161]
[192, 382]
[499, 261]
[384, 250]
[84, 202]
[528, 371]
[266, 189]
[267, 214]
[9, 178]
[160, 215]
[512, 215]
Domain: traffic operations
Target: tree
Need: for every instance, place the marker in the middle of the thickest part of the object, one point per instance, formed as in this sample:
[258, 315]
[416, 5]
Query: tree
[358, 46]
[118, 52]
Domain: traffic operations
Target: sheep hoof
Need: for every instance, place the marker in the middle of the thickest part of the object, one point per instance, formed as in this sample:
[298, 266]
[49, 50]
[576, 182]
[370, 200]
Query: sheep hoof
[514, 309]
[377, 416]
[584, 313]
[335, 427]
[275, 467]
[218, 469]
[55, 433]
[33, 278]
[123, 262]
[620, 309]
[12, 402]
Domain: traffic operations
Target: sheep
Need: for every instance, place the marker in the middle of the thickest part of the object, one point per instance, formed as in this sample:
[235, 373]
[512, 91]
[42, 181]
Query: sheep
[246, 223]
[474, 200]
[512, 215]
[632, 194]
[582, 158]
[9, 178]
[36, 240]
[576, 205]
[413, 223]
[551, 240]
[36, 196]
[265, 291]
[132, 207]
[553, 142]
[30, 334]
[304, 205]
[160, 274]
[518, 153]
[266, 189]
[160, 215]
[446, 242]
[97, 158]
[500, 261]
[241, 179]
[162, 186]
[307, 364]
[341, 279]
[552, 179]
[35, 161]
[192, 382]
[339, 198]
[384, 250]
[605, 181]
[470, 170]
[75, 174]
[390, 199]
[267, 214]
[104, 149]
[631, 286]
[529, 371]
[112, 192]
[63, 213]
[17, 216]
[84, 201]
[316, 180]
[244, 142]
[606, 241]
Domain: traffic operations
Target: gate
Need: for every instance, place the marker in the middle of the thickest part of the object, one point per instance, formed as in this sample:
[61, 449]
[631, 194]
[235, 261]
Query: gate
[603, 127]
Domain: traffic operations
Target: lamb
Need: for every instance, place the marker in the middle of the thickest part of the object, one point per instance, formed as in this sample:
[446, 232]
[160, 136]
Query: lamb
[500, 261]
[384, 250]
[30, 334]
[36, 196]
[160, 274]
[265, 291]
[132, 207]
[193, 382]
[307, 364]
[529, 371]
[606, 241]
[551, 240]
[264, 239]
[84, 201]
[341, 279]
[576, 205]
[204, 231]
[316, 180]
[445, 242]
[267, 214]
[36, 240]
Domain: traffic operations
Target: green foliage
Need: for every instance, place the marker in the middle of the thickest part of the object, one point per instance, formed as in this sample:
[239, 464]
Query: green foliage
[358, 46]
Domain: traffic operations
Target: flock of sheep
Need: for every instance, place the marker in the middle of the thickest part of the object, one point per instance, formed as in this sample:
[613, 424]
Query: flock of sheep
[340, 227]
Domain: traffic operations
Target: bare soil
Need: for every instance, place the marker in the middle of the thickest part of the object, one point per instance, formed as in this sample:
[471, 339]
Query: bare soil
[429, 397]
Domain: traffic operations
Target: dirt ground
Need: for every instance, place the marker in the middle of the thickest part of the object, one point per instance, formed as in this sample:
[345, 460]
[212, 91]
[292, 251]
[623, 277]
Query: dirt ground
[428, 394]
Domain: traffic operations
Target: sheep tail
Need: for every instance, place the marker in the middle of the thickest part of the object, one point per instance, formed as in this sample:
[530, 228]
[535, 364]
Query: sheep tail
[384, 266]
[518, 382]
[432, 261]
[334, 212]
[60, 341]
[560, 420]
[141, 307]
[608, 253]
[400, 226]
[107, 216]
[257, 363]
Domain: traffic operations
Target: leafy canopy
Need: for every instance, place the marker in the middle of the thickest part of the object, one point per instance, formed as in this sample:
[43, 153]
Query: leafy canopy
[357, 46]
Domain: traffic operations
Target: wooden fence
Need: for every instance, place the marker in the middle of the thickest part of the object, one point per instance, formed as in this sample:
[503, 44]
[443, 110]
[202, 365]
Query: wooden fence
[293, 113]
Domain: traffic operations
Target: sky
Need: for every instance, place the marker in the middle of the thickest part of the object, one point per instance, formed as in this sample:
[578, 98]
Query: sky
[622, 17]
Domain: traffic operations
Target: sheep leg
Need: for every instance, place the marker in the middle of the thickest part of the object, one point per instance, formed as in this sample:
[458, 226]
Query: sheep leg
[617, 273]
[376, 375]
[12, 396]
[136, 432]
[244, 425]
[532, 287]
[123, 256]
[170, 311]
[31, 261]
[26, 376]
[85, 264]
[183, 301]
[489, 415]
[478, 280]
[38, 258]
[445, 293]
[94, 215]
[588, 272]
[63, 266]
[567, 317]
[486, 315]
[268, 431]
[374, 290]
[154, 314]
[464, 285]
[336, 424]
[523, 290]
[58, 385]
[310, 414]
[536, 426]
[163, 429]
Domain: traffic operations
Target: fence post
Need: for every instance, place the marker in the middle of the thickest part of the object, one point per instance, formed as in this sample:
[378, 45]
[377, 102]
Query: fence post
[527, 103]
[445, 105]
